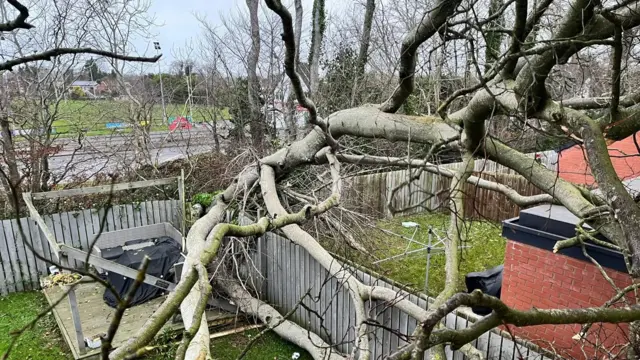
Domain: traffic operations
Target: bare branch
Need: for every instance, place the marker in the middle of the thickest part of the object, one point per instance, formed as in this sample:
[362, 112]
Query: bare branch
[20, 21]
[122, 306]
[290, 67]
[432, 21]
[49, 54]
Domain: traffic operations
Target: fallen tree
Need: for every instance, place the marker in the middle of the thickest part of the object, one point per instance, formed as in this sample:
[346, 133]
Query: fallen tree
[514, 85]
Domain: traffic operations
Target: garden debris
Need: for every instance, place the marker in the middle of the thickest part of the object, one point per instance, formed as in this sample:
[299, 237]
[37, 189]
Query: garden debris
[60, 279]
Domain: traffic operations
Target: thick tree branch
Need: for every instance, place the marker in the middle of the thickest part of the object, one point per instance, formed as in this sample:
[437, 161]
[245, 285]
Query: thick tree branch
[617, 197]
[49, 54]
[530, 82]
[431, 22]
[518, 36]
[290, 67]
[512, 194]
[502, 314]
[20, 21]
[198, 314]
[286, 329]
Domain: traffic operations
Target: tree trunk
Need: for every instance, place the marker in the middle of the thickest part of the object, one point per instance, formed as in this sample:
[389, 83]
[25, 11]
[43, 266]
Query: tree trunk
[317, 33]
[363, 53]
[493, 38]
[298, 29]
[256, 125]
[290, 119]
[13, 175]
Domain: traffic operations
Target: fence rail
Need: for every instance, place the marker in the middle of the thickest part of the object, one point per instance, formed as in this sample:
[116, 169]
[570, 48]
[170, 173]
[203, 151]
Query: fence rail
[370, 194]
[288, 272]
[21, 270]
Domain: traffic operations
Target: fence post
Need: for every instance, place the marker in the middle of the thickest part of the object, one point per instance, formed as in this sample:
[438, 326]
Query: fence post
[75, 316]
[181, 196]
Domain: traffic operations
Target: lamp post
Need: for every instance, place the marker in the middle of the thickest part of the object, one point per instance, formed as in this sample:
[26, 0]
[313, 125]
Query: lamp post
[156, 45]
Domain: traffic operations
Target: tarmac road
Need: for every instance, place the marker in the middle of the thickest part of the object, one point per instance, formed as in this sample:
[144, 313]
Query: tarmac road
[113, 153]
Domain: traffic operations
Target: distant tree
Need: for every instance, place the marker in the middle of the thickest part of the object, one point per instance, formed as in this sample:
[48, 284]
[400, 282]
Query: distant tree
[92, 70]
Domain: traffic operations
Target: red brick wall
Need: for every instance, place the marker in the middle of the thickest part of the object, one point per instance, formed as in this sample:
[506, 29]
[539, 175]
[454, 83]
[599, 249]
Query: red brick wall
[538, 278]
[572, 163]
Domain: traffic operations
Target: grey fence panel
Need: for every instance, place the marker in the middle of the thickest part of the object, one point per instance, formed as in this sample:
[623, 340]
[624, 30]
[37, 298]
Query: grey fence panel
[32, 265]
[8, 285]
[13, 256]
[289, 271]
[34, 235]
[21, 270]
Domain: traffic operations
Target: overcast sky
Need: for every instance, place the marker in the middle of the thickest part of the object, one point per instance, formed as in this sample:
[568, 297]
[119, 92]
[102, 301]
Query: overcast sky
[177, 23]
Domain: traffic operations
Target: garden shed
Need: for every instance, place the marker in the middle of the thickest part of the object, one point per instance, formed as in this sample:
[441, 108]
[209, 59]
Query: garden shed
[537, 277]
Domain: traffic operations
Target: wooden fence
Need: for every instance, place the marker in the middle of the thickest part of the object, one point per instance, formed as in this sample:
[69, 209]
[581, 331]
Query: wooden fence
[21, 270]
[369, 194]
[288, 272]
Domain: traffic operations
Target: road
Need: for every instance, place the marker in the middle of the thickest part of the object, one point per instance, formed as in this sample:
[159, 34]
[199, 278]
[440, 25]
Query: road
[114, 153]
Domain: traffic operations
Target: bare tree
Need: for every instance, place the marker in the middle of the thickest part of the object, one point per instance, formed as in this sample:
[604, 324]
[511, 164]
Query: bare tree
[363, 53]
[34, 94]
[253, 88]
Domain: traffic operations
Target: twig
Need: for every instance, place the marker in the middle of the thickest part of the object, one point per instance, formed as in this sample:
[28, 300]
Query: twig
[122, 306]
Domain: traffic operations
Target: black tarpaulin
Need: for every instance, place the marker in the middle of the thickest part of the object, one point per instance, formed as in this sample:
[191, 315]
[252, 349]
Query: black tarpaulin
[162, 256]
[490, 282]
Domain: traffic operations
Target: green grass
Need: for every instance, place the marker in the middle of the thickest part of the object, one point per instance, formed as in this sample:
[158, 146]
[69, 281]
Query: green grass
[91, 116]
[486, 250]
[268, 347]
[43, 341]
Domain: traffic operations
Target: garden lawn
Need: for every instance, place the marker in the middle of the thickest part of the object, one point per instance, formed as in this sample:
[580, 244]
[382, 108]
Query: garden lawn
[485, 250]
[268, 347]
[43, 341]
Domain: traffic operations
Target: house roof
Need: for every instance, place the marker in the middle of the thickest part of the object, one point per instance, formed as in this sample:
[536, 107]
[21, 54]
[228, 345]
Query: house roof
[573, 166]
[84, 83]
[544, 225]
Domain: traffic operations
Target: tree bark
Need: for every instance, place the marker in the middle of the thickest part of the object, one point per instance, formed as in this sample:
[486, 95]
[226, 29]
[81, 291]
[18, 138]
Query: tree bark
[256, 124]
[317, 34]
[298, 28]
[363, 52]
[13, 174]
[286, 329]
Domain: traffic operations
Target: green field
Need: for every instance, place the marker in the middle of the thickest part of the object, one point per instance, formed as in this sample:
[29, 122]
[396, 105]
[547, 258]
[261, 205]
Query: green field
[91, 116]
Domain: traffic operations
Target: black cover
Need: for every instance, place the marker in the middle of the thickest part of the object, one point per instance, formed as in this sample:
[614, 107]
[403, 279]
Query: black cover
[162, 257]
[490, 282]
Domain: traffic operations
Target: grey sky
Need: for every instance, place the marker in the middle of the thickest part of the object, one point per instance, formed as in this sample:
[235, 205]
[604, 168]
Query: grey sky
[177, 23]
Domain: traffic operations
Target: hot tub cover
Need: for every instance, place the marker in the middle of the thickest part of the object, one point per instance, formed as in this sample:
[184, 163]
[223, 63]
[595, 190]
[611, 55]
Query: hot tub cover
[162, 256]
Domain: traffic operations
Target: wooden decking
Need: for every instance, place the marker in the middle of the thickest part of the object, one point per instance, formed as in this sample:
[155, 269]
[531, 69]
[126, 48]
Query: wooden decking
[95, 317]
